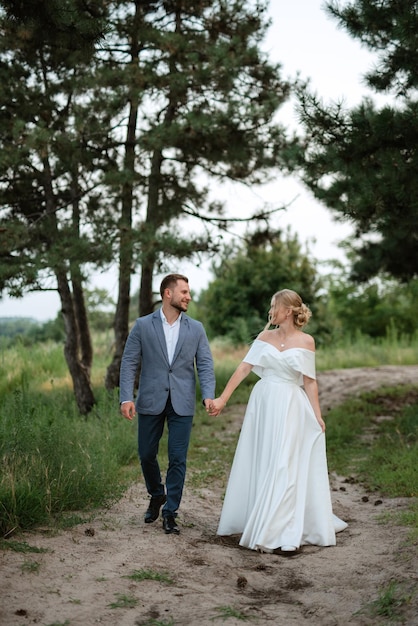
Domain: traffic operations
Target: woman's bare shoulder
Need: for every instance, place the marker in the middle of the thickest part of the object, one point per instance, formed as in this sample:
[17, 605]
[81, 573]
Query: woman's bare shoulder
[307, 341]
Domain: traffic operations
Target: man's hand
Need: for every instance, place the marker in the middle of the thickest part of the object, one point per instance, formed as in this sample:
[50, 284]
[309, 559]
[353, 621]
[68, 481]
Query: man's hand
[128, 410]
[217, 405]
[210, 408]
[214, 407]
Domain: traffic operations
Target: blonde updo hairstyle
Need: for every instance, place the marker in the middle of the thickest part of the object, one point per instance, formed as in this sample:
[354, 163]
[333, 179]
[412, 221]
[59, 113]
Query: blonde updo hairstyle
[290, 299]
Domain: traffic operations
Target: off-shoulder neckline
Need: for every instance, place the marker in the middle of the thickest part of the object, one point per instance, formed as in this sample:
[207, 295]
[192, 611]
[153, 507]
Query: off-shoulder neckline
[281, 351]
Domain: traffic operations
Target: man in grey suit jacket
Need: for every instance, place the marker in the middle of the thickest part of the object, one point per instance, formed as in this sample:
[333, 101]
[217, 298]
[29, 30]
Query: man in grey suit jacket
[167, 344]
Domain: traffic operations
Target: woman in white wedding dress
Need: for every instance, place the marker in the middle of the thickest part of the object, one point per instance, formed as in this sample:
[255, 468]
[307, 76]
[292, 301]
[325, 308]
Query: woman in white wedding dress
[278, 493]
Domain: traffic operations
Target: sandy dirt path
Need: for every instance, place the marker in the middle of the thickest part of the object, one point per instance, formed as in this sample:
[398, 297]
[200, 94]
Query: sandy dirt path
[86, 569]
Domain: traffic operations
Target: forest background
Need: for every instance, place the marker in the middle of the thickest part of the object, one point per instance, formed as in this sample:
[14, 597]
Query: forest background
[115, 118]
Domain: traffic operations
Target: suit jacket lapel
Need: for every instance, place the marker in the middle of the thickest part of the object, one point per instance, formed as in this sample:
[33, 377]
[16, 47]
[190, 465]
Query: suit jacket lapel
[184, 327]
[158, 326]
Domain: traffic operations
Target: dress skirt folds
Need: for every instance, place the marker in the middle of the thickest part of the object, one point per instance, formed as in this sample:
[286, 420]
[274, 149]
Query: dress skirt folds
[278, 490]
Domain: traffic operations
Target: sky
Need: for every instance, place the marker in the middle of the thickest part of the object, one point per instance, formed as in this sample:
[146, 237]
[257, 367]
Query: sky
[305, 41]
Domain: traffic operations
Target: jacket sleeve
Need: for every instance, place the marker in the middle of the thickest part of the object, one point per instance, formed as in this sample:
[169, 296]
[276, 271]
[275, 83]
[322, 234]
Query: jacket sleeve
[131, 359]
[204, 366]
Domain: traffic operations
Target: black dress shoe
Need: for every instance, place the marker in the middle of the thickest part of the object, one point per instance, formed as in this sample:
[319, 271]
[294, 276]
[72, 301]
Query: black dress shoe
[153, 511]
[170, 526]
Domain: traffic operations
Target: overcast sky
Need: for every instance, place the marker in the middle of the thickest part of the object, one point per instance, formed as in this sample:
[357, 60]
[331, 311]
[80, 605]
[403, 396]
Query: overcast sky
[304, 40]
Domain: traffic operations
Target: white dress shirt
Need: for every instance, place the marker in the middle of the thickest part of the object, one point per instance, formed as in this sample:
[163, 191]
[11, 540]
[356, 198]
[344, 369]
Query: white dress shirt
[171, 333]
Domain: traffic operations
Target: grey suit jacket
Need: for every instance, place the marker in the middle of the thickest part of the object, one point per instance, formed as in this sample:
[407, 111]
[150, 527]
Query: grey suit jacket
[146, 345]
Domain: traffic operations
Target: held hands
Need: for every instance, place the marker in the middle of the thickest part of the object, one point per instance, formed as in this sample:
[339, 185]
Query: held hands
[214, 407]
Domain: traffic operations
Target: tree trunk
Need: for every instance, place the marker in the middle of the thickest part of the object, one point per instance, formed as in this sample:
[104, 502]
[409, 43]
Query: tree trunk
[146, 300]
[79, 373]
[153, 221]
[84, 335]
[120, 324]
[86, 346]
[155, 217]
[121, 320]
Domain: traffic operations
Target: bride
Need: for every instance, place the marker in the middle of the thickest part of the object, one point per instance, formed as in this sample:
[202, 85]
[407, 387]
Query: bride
[278, 493]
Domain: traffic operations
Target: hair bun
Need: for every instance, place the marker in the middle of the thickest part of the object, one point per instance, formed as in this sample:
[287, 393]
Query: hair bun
[302, 315]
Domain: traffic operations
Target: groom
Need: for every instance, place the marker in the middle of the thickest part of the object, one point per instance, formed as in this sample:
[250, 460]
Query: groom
[166, 344]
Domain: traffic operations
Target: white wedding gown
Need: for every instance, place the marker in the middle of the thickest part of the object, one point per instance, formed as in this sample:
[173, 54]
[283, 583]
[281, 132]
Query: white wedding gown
[278, 491]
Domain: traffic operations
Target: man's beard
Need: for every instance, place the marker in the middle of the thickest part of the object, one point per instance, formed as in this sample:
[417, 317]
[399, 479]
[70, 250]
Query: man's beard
[179, 307]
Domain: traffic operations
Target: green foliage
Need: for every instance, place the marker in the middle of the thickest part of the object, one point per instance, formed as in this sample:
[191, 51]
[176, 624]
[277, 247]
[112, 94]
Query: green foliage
[78, 26]
[44, 146]
[100, 308]
[362, 162]
[104, 153]
[237, 301]
[388, 28]
[380, 308]
[27, 332]
[13, 326]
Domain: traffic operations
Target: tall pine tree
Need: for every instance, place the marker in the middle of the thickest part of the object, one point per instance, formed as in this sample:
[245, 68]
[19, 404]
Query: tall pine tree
[105, 154]
[363, 163]
[200, 104]
[48, 175]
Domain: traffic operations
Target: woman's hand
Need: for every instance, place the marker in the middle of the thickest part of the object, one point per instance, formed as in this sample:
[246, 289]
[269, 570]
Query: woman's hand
[216, 406]
[321, 423]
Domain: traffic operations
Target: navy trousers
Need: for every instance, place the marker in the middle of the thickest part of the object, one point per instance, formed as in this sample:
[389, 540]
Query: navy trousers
[150, 431]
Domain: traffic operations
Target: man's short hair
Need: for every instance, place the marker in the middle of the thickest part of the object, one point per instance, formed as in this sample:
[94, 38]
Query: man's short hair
[170, 281]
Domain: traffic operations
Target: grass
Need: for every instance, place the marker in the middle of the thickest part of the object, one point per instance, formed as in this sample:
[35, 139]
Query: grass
[157, 622]
[54, 461]
[46, 367]
[381, 453]
[30, 567]
[147, 574]
[385, 459]
[19, 546]
[390, 603]
[123, 602]
[225, 612]
[363, 351]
